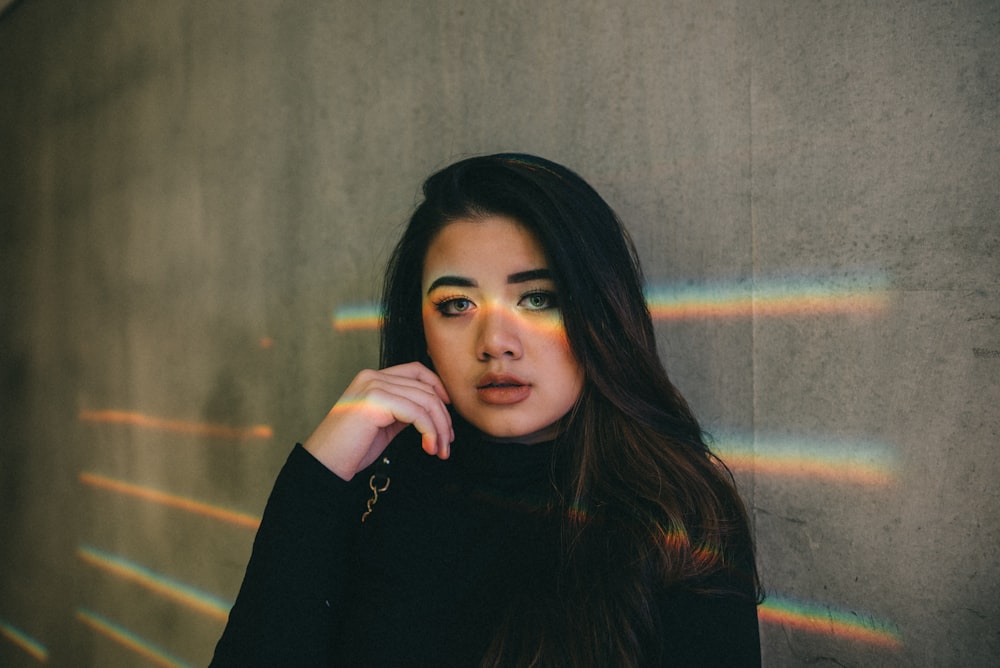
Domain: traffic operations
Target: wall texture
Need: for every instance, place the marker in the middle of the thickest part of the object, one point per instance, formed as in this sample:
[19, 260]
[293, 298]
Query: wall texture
[192, 195]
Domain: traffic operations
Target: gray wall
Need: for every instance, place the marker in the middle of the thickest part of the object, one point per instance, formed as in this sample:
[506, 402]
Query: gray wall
[190, 190]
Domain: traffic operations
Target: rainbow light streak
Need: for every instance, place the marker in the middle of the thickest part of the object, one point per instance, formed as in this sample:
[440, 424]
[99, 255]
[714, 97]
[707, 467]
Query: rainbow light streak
[171, 500]
[22, 640]
[862, 463]
[721, 299]
[178, 426]
[823, 619]
[128, 639]
[178, 592]
[352, 317]
[771, 297]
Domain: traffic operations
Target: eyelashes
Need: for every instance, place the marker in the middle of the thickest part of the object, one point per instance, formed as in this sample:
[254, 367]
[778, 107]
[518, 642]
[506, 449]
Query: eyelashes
[533, 301]
[451, 307]
[539, 300]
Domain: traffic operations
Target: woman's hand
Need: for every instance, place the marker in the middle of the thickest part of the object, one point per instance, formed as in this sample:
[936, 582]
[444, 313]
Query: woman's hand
[374, 408]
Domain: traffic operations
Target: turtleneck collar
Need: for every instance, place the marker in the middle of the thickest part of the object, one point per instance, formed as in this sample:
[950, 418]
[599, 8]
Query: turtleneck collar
[483, 458]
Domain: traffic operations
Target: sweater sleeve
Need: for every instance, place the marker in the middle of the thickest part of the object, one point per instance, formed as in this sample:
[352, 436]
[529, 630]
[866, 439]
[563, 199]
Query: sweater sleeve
[296, 577]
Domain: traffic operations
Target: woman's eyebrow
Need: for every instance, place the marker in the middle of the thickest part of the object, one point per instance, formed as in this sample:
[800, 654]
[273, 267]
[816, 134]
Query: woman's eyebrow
[462, 282]
[531, 275]
[453, 281]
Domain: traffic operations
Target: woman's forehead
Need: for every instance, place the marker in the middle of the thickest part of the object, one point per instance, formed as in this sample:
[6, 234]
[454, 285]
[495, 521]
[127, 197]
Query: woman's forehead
[492, 245]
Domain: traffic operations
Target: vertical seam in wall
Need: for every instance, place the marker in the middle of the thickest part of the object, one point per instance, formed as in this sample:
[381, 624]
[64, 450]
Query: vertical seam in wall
[753, 249]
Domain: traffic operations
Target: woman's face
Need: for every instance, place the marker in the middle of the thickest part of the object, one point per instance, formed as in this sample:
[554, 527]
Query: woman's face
[494, 330]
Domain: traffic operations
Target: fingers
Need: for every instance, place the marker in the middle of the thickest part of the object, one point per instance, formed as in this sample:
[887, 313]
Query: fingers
[391, 404]
[420, 373]
[403, 395]
[374, 408]
[437, 434]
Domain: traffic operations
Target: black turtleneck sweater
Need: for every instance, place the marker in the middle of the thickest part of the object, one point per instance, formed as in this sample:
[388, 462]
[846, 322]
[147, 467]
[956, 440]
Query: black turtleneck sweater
[426, 579]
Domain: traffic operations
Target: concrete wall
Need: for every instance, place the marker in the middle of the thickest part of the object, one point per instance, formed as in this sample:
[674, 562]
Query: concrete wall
[191, 192]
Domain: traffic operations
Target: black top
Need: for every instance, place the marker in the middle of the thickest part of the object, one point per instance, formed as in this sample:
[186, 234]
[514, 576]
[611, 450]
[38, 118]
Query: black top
[427, 577]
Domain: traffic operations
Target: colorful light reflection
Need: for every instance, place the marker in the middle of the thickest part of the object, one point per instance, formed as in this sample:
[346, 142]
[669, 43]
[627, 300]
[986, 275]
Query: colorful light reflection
[352, 317]
[862, 295]
[176, 591]
[815, 618]
[25, 642]
[171, 500]
[768, 298]
[177, 426]
[836, 461]
[128, 639]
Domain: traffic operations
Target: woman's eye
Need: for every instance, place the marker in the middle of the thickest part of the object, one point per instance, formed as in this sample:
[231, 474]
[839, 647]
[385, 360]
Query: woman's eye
[454, 306]
[539, 301]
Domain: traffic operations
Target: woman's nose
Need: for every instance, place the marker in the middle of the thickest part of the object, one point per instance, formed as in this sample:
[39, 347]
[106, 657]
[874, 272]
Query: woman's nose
[499, 335]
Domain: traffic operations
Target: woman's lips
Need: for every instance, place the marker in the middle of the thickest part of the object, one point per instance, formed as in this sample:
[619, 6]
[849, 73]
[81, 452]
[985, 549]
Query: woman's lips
[502, 389]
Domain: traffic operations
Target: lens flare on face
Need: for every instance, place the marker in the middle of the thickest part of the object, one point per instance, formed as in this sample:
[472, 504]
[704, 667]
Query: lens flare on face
[133, 419]
[545, 323]
[837, 461]
[823, 619]
[36, 649]
[170, 500]
[176, 591]
[128, 639]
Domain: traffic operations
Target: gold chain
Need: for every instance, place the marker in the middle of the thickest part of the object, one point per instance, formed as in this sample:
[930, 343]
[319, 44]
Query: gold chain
[376, 489]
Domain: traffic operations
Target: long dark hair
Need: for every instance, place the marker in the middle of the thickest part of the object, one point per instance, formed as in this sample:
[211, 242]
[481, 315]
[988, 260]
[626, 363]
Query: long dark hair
[647, 508]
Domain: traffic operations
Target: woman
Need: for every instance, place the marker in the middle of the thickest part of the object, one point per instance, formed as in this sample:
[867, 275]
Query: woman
[534, 490]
